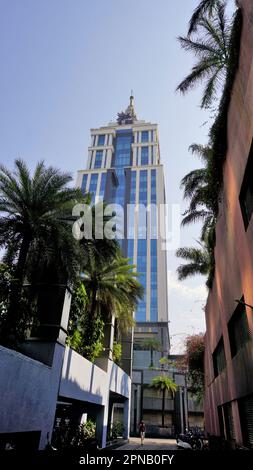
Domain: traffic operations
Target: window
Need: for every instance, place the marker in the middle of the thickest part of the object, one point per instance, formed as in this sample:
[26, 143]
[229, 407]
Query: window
[133, 187]
[98, 159]
[84, 182]
[130, 250]
[238, 329]
[153, 186]
[144, 136]
[101, 140]
[142, 269]
[219, 358]
[229, 422]
[123, 149]
[93, 186]
[102, 185]
[153, 280]
[144, 156]
[246, 418]
[246, 194]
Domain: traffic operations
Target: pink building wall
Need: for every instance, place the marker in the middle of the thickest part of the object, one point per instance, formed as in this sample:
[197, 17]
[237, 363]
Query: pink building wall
[234, 249]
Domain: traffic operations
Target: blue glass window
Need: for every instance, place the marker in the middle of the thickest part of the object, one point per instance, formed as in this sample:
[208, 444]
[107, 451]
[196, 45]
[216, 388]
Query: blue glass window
[84, 182]
[122, 158]
[98, 159]
[123, 149]
[93, 186]
[102, 185]
[143, 187]
[142, 215]
[101, 139]
[153, 186]
[130, 251]
[144, 136]
[153, 281]
[133, 187]
[142, 270]
[144, 156]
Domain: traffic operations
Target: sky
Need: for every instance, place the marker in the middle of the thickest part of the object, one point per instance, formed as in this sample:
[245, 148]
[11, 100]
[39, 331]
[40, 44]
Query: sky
[69, 65]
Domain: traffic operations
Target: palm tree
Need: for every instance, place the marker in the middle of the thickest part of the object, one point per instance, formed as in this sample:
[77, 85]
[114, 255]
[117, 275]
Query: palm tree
[200, 261]
[201, 191]
[205, 7]
[211, 47]
[164, 384]
[152, 345]
[113, 290]
[33, 225]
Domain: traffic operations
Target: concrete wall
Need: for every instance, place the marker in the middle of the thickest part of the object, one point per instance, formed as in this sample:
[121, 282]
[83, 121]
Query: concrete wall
[82, 380]
[233, 252]
[28, 391]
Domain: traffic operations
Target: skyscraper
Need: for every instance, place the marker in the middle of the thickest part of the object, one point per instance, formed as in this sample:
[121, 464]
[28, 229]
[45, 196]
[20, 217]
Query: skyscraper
[124, 168]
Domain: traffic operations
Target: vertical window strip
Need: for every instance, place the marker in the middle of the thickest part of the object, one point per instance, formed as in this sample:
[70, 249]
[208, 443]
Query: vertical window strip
[84, 183]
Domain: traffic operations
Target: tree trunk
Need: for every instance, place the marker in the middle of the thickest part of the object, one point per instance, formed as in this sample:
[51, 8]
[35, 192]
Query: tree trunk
[163, 408]
[151, 357]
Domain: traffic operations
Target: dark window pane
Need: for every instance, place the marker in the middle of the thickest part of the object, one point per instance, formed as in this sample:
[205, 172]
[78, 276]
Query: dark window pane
[246, 417]
[144, 136]
[219, 358]
[101, 139]
[246, 194]
[238, 329]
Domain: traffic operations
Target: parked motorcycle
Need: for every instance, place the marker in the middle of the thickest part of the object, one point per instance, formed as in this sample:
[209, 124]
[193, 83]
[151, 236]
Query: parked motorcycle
[191, 440]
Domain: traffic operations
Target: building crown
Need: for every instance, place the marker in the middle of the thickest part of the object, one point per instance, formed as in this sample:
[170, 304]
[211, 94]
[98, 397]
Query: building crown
[129, 115]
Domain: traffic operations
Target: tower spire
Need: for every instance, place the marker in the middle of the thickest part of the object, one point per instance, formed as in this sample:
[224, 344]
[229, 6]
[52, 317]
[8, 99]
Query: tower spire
[129, 116]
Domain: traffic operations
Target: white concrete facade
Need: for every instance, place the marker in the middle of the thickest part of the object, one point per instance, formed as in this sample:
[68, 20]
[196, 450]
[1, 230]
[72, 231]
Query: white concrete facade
[30, 390]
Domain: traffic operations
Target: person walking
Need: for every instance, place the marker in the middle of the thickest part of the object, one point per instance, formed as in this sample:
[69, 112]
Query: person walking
[142, 429]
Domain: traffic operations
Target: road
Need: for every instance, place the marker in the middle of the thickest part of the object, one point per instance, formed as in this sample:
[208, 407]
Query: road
[149, 444]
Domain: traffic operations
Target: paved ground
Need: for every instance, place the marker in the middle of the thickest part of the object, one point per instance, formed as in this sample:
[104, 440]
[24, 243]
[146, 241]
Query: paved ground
[149, 444]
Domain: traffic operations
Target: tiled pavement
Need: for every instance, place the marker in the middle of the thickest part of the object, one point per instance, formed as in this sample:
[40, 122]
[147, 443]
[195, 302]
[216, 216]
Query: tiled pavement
[149, 444]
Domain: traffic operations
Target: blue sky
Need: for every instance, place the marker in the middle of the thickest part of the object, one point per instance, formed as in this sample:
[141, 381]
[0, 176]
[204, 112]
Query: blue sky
[69, 65]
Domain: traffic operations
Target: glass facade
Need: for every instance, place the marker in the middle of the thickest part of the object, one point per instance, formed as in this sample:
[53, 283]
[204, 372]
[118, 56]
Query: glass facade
[130, 251]
[102, 186]
[144, 136]
[84, 182]
[98, 159]
[131, 207]
[153, 187]
[101, 140]
[93, 186]
[122, 158]
[142, 186]
[144, 155]
[143, 199]
[140, 314]
[153, 281]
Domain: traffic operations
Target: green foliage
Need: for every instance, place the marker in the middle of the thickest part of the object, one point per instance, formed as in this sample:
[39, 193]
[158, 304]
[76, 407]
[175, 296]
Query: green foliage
[211, 47]
[117, 352]
[66, 437]
[82, 434]
[117, 430]
[152, 345]
[35, 232]
[162, 382]
[195, 349]
[112, 289]
[204, 186]
[205, 7]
